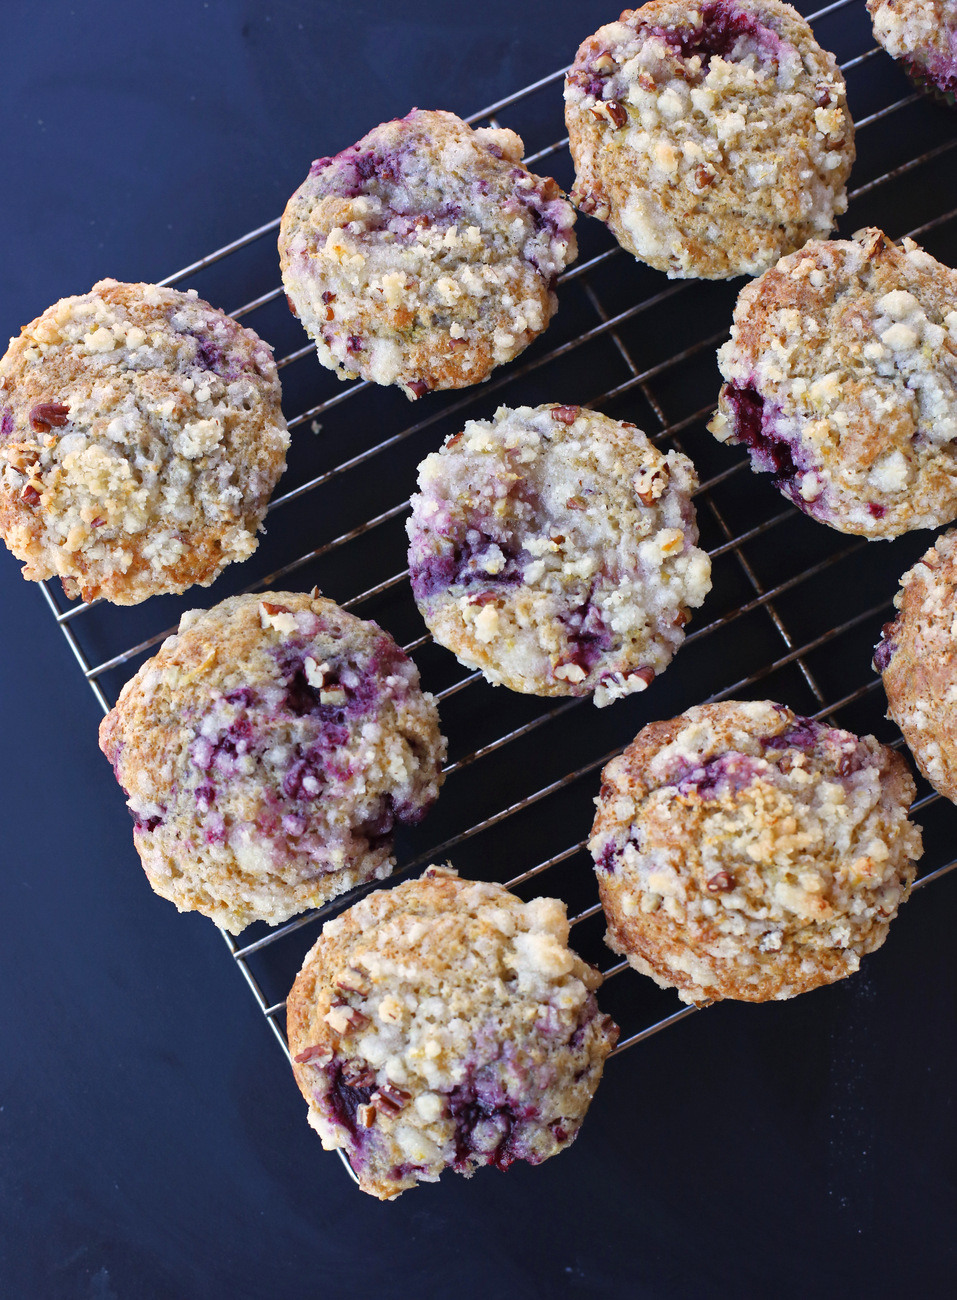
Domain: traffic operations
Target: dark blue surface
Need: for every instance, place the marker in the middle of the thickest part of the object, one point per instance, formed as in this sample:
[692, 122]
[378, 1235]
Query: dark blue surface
[152, 1142]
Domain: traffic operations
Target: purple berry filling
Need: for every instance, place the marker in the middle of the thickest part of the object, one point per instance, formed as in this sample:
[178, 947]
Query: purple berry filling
[607, 859]
[243, 696]
[321, 761]
[344, 1100]
[209, 355]
[756, 427]
[936, 67]
[811, 736]
[459, 567]
[726, 774]
[886, 648]
[483, 1104]
[805, 734]
[588, 637]
[6, 422]
[221, 754]
[145, 823]
[726, 32]
[205, 796]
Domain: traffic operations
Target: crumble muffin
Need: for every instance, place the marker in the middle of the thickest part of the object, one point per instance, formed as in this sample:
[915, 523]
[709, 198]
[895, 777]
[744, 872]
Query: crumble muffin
[710, 138]
[141, 436]
[745, 852]
[555, 549]
[922, 35]
[917, 658]
[268, 750]
[841, 380]
[426, 254]
[446, 1024]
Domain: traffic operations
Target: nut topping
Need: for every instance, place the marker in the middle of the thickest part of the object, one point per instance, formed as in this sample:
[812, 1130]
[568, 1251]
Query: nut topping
[720, 883]
[345, 1019]
[352, 981]
[389, 1099]
[30, 496]
[611, 111]
[48, 415]
[318, 1054]
[358, 1076]
[566, 414]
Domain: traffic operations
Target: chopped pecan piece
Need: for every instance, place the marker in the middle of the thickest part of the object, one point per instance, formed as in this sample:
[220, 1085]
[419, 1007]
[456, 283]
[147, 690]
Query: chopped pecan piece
[389, 1099]
[566, 414]
[30, 495]
[419, 387]
[365, 1114]
[611, 111]
[720, 883]
[48, 415]
[358, 1076]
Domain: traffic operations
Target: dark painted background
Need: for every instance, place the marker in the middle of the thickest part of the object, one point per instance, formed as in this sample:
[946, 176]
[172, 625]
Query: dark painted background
[152, 1143]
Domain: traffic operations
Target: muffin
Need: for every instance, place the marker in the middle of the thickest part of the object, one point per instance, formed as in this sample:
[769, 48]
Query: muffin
[922, 34]
[710, 138]
[841, 380]
[426, 254]
[555, 549]
[745, 852]
[446, 1024]
[917, 658]
[141, 436]
[268, 750]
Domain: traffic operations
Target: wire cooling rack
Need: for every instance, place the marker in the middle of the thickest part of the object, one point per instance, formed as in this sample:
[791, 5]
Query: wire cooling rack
[795, 609]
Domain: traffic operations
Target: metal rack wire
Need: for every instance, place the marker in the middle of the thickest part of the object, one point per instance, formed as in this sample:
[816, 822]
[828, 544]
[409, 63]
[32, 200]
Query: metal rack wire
[634, 345]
